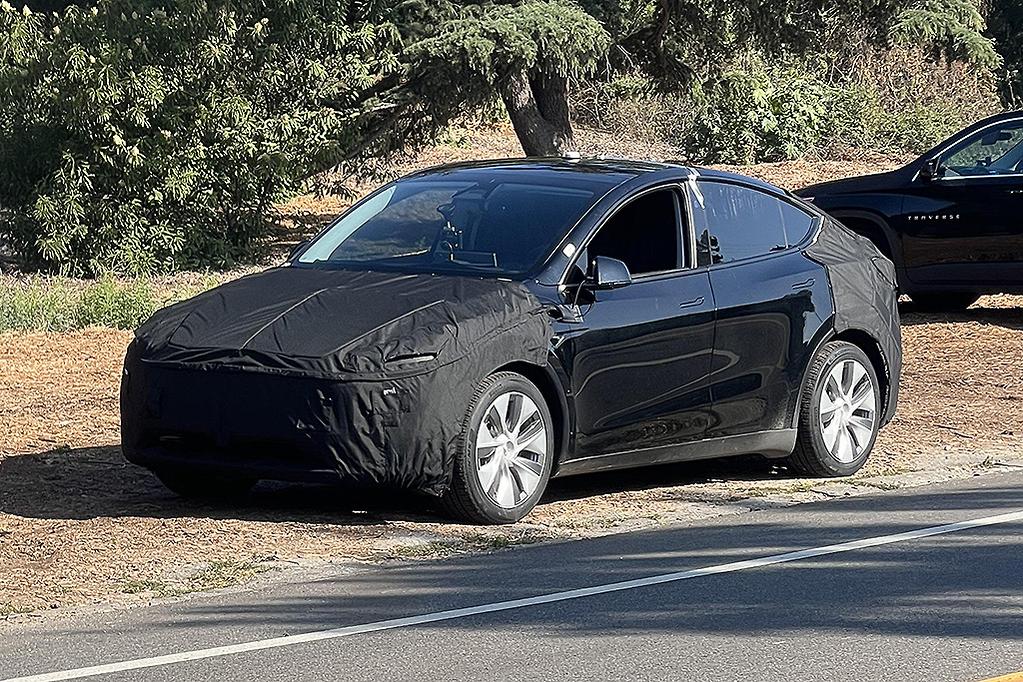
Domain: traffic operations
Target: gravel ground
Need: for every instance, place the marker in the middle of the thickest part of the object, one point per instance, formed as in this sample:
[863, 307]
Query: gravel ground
[80, 528]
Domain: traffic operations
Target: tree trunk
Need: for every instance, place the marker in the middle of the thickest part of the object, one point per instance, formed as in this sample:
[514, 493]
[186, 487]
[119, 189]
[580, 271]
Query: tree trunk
[538, 107]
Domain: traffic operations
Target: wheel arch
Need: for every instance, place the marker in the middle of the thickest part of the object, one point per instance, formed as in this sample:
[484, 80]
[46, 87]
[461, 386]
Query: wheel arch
[872, 349]
[862, 340]
[546, 379]
[877, 229]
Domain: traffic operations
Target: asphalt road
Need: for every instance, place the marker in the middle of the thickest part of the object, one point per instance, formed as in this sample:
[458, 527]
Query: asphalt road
[720, 600]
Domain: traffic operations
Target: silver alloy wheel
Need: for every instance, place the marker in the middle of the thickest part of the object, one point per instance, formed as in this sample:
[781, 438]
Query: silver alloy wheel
[848, 410]
[511, 449]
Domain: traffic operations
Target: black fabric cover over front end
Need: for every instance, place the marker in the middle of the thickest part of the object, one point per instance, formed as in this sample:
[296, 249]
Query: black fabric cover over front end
[296, 370]
[863, 283]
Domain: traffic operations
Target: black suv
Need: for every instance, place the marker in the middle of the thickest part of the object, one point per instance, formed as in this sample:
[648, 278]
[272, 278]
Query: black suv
[473, 330]
[952, 221]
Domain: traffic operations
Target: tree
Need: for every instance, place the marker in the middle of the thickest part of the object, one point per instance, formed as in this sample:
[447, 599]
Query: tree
[528, 50]
[1005, 19]
[154, 134]
[146, 136]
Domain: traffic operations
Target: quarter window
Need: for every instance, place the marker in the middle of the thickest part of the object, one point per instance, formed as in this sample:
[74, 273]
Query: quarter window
[798, 223]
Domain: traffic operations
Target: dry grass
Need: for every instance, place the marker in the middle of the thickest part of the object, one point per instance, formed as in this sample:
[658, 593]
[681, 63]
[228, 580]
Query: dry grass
[307, 214]
[80, 526]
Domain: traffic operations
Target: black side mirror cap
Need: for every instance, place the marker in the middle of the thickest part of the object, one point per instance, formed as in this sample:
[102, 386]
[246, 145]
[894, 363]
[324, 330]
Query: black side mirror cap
[609, 273]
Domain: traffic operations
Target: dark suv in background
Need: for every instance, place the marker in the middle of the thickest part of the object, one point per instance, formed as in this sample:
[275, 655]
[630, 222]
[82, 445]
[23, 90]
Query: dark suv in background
[952, 221]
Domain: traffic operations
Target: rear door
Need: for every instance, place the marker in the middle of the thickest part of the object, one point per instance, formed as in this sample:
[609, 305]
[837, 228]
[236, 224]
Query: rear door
[965, 226]
[767, 293]
[640, 358]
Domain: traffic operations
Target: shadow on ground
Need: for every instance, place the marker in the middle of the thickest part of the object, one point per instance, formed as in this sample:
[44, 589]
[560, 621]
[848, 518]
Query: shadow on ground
[900, 590]
[88, 483]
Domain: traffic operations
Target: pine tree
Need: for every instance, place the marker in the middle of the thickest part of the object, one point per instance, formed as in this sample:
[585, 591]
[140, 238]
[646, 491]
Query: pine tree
[527, 50]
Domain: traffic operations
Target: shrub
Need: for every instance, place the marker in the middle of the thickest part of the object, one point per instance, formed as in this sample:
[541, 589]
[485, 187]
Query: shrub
[138, 138]
[892, 102]
[764, 112]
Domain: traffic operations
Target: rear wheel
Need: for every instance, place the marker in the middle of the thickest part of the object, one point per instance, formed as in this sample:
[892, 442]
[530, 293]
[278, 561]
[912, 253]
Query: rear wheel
[839, 416]
[198, 485]
[952, 302]
[504, 454]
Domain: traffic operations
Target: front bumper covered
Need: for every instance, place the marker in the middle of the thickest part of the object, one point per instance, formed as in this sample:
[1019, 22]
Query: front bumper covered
[293, 428]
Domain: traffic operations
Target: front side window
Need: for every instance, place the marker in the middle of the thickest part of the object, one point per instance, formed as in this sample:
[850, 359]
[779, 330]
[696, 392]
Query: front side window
[997, 150]
[644, 234]
[735, 222]
[434, 225]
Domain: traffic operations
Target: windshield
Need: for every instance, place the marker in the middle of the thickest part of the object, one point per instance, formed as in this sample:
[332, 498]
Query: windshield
[479, 226]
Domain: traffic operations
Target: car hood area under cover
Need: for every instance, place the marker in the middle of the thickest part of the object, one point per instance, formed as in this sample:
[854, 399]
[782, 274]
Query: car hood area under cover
[345, 324]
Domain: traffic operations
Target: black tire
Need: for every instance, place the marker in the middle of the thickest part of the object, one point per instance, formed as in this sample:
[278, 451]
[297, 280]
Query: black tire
[953, 302]
[812, 457]
[466, 500]
[200, 485]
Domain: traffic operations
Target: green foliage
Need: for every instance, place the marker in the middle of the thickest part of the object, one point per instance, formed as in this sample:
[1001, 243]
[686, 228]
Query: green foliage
[893, 102]
[485, 41]
[1006, 29]
[141, 138]
[680, 41]
[760, 111]
[951, 27]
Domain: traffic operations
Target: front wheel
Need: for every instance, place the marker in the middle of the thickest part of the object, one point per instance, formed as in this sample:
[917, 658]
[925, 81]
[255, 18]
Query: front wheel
[839, 415]
[504, 454]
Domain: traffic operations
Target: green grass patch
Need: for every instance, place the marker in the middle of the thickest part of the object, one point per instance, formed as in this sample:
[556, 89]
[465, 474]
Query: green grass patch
[212, 576]
[227, 573]
[60, 304]
[141, 586]
[8, 609]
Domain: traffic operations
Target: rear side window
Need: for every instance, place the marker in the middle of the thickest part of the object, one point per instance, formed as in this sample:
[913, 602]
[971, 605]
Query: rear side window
[737, 222]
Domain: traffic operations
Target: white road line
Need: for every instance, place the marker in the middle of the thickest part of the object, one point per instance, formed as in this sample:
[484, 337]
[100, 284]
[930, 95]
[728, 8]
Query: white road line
[335, 633]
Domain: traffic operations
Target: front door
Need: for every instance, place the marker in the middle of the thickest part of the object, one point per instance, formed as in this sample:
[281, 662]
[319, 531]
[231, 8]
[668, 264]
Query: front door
[640, 357]
[639, 370]
[964, 227]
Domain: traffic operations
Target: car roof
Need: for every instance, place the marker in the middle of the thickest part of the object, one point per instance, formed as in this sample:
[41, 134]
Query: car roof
[596, 171]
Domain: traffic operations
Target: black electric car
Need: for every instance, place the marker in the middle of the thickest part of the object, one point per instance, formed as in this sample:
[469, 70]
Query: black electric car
[473, 330]
[952, 221]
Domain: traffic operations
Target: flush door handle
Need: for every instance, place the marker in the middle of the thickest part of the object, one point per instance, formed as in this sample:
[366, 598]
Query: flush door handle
[695, 302]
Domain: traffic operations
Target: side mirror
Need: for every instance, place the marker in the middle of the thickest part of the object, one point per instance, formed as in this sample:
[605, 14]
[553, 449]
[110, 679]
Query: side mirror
[608, 273]
[931, 170]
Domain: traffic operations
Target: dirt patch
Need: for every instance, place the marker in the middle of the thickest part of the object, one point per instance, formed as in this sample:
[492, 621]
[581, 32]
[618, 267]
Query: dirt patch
[79, 526]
